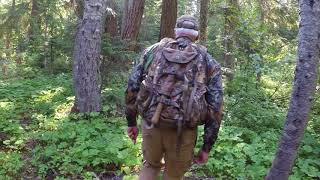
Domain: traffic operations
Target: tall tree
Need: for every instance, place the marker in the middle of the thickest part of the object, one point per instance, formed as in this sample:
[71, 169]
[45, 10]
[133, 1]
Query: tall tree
[86, 57]
[204, 8]
[230, 18]
[9, 29]
[131, 21]
[78, 8]
[168, 18]
[34, 26]
[263, 7]
[303, 90]
[111, 27]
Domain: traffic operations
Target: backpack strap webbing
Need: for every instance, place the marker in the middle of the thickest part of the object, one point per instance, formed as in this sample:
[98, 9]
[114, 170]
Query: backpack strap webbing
[149, 55]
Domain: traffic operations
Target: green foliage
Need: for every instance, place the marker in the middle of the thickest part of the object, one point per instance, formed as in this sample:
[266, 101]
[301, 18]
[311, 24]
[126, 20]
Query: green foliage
[40, 138]
[10, 164]
[35, 121]
[34, 115]
[244, 154]
[241, 153]
[249, 106]
[79, 145]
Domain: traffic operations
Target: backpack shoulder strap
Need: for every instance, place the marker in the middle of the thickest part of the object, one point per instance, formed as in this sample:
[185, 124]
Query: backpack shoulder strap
[201, 49]
[149, 55]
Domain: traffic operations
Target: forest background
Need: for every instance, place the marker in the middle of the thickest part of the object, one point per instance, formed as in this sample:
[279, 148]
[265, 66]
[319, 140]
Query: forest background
[254, 40]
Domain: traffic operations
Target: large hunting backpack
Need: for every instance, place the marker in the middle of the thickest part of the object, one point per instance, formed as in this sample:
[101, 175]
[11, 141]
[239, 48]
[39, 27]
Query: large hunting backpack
[174, 87]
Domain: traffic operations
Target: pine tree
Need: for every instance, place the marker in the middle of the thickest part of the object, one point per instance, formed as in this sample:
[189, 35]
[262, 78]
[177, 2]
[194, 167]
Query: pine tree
[303, 90]
[87, 56]
[131, 21]
[168, 18]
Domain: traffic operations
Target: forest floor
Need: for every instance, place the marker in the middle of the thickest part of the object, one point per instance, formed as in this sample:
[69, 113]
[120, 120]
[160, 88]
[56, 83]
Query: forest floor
[40, 139]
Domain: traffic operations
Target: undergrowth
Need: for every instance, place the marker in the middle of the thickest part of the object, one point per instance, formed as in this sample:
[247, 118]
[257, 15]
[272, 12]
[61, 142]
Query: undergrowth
[41, 139]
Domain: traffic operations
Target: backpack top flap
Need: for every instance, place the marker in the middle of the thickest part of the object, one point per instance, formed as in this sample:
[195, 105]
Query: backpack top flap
[176, 55]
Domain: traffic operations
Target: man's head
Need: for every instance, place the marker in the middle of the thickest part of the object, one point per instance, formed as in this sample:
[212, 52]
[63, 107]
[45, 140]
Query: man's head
[187, 26]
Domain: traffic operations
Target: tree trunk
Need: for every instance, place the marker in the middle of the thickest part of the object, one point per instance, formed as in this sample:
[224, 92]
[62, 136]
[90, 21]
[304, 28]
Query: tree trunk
[132, 21]
[124, 15]
[303, 90]
[18, 51]
[168, 18]
[4, 70]
[8, 46]
[263, 12]
[204, 8]
[46, 45]
[78, 8]
[34, 26]
[227, 41]
[111, 27]
[229, 35]
[86, 57]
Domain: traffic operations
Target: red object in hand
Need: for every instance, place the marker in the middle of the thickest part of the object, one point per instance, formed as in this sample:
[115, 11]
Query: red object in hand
[201, 158]
[133, 133]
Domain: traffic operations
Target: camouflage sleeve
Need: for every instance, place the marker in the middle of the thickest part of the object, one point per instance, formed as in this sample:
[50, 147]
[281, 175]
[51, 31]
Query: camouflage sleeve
[133, 88]
[214, 97]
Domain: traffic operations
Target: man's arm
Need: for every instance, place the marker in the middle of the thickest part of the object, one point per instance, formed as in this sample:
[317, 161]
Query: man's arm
[132, 90]
[214, 97]
[134, 83]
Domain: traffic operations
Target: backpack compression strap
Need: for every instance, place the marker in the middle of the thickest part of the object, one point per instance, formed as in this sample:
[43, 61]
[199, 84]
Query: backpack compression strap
[149, 57]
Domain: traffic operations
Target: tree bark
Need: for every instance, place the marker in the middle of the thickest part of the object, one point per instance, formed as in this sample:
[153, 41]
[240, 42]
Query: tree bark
[303, 90]
[78, 8]
[46, 44]
[111, 27]
[34, 26]
[87, 56]
[230, 18]
[124, 15]
[204, 8]
[132, 21]
[168, 18]
[8, 45]
[263, 13]
[7, 59]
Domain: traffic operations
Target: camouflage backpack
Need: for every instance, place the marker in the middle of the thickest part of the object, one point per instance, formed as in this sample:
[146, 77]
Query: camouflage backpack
[173, 90]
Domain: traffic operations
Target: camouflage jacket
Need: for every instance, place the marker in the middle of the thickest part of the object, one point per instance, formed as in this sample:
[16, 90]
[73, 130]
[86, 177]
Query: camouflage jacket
[214, 95]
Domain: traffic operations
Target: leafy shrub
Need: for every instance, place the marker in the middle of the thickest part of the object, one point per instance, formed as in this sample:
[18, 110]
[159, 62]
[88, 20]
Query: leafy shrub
[248, 105]
[10, 164]
[61, 64]
[80, 145]
[84, 145]
[244, 154]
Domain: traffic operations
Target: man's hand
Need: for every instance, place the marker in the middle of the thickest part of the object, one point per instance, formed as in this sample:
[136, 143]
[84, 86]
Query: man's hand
[201, 158]
[133, 133]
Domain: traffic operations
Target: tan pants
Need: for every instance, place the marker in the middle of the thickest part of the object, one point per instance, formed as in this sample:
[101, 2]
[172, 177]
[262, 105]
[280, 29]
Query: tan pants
[161, 142]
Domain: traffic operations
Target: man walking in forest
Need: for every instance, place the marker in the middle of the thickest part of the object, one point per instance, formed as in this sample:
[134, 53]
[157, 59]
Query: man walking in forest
[176, 86]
